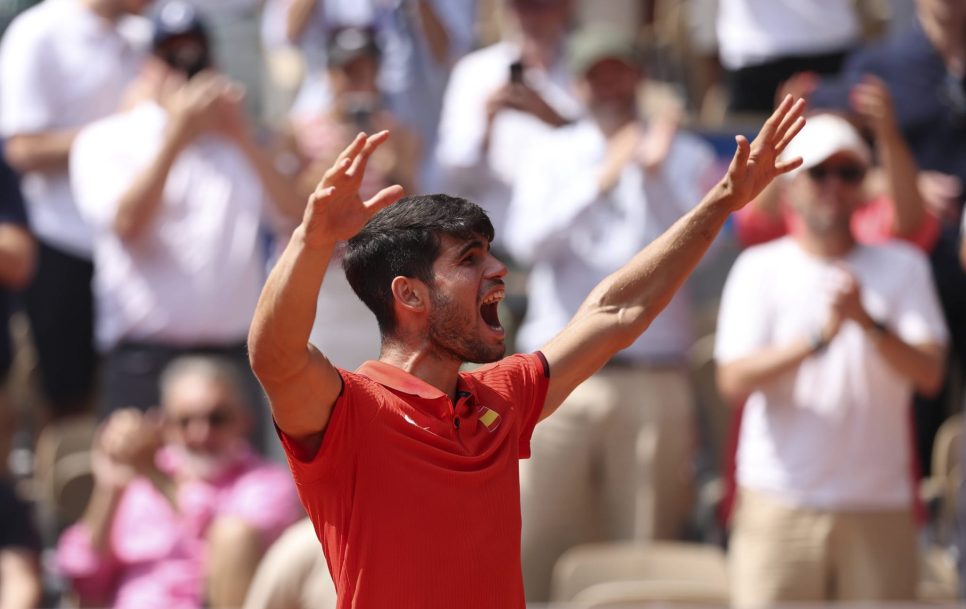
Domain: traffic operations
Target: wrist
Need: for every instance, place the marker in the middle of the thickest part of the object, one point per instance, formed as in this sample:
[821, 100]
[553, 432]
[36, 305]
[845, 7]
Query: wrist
[876, 329]
[312, 243]
[818, 341]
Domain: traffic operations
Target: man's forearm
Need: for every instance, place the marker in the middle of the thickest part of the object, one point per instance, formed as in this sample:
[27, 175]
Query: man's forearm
[737, 379]
[277, 342]
[39, 151]
[644, 286]
[140, 203]
[901, 178]
[99, 515]
[921, 364]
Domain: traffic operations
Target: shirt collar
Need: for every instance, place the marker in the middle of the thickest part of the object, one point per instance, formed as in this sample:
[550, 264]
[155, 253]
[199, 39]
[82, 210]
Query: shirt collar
[398, 379]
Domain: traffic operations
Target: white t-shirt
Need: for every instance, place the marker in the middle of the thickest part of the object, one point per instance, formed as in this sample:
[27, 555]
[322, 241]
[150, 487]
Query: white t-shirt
[751, 32]
[833, 432]
[464, 170]
[574, 237]
[61, 67]
[194, 276]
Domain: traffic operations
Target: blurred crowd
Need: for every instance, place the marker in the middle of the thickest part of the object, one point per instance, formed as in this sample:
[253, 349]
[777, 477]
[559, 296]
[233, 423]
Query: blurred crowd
[156, 155]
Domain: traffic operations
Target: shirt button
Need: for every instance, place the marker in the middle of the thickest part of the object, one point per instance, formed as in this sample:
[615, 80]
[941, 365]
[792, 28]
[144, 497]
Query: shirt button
[456, 422]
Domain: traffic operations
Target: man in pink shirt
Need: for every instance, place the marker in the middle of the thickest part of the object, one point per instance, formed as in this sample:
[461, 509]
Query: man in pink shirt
[182, 509]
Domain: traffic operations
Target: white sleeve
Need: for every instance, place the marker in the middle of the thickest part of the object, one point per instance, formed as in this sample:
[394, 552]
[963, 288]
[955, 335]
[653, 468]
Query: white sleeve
[692, 170]
[101, 171]
[29, 83]
[918, 317]
[548, 197]
[743, 320]
[462, 122]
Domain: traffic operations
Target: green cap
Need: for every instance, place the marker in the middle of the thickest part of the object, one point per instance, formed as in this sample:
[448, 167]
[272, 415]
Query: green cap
[593, 43]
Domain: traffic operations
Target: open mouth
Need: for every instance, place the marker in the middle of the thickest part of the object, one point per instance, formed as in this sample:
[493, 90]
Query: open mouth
[489, 309]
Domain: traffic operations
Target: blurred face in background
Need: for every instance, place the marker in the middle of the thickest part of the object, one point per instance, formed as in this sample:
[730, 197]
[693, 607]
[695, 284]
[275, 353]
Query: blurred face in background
[205, 423]
[825, 196]
[609, 87]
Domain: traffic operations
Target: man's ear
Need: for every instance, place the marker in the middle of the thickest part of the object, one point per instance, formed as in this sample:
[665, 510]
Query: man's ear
[410, 293]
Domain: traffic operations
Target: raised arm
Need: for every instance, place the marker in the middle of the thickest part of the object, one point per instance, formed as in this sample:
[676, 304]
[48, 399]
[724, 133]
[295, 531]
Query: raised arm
[623, 305]
[301, 384]
[872, 101]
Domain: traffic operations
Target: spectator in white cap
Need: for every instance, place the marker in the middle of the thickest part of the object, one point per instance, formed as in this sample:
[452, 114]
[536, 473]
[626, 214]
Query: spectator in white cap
[826, 339]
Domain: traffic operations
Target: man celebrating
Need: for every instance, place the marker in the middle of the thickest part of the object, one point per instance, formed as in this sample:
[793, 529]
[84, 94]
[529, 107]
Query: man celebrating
[408, 467]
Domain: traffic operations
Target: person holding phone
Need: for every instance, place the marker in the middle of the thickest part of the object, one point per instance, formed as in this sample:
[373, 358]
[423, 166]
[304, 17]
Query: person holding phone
[499, 100]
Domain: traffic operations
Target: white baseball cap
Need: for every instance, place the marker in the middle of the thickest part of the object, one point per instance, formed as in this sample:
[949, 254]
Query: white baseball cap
[823, 136]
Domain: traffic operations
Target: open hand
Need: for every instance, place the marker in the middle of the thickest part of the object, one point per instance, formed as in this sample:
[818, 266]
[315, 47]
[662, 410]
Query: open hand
[335, 211]
[755, 165]
[872, 101]
[125, 447]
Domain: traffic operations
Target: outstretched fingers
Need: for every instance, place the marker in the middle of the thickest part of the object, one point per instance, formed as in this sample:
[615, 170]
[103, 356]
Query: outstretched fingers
[384, 198]
[791, 115]
[368, 147]
[789, 165]
[773, 125]
[789, 134]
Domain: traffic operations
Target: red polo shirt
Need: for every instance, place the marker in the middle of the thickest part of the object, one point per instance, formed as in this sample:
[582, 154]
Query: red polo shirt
[416, 500]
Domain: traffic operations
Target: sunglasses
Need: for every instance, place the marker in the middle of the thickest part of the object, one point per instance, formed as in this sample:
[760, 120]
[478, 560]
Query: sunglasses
[849, 174]
[215, 419]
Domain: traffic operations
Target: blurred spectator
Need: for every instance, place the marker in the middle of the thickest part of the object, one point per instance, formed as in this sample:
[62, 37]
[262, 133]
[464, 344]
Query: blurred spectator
[421, 40]
[343, 329]
[925, 71]
[893, 205]
[175, 189]
[764, 42]
[354, 58]
[17, 258]
[827, 339]
[233, 30]
[181, 523]
[19, 553]
[293, 574]
[499, 100]
[62, 64]
[616, 459]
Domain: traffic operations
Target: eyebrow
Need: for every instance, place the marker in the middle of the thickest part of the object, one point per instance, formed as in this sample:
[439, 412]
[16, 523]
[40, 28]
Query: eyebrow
[470, 245]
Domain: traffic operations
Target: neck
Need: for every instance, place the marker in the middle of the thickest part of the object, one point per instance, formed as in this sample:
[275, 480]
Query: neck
[103, 9]
[424, 365]
[834, 244]
[948, 37]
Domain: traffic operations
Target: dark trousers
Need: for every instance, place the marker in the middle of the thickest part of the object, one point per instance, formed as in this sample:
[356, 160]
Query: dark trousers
[132, 372]
[752, 89]
[60, 307]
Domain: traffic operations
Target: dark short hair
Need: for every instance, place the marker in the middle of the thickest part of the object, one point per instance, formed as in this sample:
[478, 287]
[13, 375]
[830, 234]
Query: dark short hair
[403, 241]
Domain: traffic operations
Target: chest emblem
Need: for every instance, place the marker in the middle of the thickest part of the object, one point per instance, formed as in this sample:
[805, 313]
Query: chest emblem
[489, 418]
